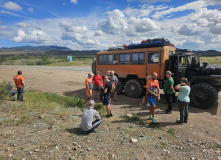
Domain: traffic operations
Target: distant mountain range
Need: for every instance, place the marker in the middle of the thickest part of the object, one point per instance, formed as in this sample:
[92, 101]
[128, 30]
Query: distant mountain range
[61, 51]
[208, 53]
[39, 48]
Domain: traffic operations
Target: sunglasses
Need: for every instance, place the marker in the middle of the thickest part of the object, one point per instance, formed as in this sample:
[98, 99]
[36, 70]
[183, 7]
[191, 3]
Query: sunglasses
[105, 78]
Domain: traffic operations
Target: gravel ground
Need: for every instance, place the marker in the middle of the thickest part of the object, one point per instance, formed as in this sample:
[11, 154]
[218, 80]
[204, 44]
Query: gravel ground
[200, 138]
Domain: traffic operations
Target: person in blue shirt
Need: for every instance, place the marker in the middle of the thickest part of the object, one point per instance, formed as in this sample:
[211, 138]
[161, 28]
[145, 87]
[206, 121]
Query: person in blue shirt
[183, 100]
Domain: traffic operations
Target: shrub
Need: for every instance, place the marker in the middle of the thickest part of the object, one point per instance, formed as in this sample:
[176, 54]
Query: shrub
[99, 107]
[136, 119]
[171, 131]
[3, 90]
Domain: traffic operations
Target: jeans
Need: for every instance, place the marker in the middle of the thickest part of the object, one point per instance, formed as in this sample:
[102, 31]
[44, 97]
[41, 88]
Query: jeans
[169, 99]
[20, 93]
[183, 107]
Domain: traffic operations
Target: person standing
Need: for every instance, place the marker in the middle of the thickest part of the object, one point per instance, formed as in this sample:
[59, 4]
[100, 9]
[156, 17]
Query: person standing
[169, 91]
[88, 85]
[153, 91]
[97, 81]
[114, 81]
[89, 113]
[183, 100]
[145, 92]
[107, 96]
[20, 85]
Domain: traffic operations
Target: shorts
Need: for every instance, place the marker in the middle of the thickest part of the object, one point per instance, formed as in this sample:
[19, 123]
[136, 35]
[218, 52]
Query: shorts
[145, 93]
[106, 99]
[96, 88]
[152, 100]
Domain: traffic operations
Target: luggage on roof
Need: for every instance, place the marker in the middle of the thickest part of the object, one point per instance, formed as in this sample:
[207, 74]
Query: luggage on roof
[157, 42]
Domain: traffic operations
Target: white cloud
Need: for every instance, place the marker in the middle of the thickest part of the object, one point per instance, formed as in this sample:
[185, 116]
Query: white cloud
[216, 29]
[213, 2]
[33, 36]
[78, 34]
[187, 30]
[11, 13]
[8, 12]
[73, 1]
[118, 23]
[144, 11]
[216, 39]
[98, 33]
[31, 10]
[208, 19]
[3, 26]
[12, 6]
[23, 25]
[189, 6]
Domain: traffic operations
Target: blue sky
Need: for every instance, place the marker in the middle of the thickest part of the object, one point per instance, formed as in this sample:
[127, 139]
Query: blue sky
[99, 24]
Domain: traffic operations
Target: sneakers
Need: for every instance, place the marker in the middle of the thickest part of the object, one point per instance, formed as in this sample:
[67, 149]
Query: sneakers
[150, 118]
[93, 132]
[111, 115]
[179, 121]
[154, 120]
[148, 105]
[167, 112]
[107, 116]
[140, 104]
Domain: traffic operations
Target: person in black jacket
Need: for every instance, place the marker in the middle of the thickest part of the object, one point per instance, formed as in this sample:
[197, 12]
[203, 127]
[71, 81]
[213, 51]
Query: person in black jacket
[107, 96]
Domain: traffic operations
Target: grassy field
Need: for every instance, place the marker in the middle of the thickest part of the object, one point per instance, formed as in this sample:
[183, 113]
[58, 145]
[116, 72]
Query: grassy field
[45, 60]
[211, 60]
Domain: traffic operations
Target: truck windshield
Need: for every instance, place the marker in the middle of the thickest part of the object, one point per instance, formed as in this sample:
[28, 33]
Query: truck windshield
[190, 58]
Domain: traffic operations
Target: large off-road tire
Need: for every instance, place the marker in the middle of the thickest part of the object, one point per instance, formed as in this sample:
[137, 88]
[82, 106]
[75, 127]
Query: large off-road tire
[93, 67]
[133, 88]
[120, 87]
[203, 96]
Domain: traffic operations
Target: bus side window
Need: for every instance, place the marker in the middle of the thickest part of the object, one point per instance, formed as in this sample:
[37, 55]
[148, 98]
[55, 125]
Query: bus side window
[125, 58]
[138, 58]
[102, 59]
[153, 57]
[113, 59]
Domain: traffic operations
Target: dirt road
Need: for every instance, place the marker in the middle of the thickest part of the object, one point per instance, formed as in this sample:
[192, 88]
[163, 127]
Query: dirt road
[203, 125]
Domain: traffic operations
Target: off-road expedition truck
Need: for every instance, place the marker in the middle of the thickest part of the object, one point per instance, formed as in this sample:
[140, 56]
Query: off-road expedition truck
[205, 79]
[131, 66]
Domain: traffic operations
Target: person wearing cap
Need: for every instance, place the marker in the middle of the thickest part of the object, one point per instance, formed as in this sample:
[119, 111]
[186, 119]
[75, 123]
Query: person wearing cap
[114, 81]
[87, 123]
[169, 91]
[88, 86]
[107, 96]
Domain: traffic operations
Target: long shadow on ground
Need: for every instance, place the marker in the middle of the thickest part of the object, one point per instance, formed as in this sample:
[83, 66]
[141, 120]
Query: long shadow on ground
[77, 131]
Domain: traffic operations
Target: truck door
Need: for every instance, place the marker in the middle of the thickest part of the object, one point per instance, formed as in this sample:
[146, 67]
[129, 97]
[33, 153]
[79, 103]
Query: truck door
[182, 65]
[153, 63]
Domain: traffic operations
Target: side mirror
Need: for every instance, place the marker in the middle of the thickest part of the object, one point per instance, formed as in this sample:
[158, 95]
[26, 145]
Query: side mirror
[205, 64]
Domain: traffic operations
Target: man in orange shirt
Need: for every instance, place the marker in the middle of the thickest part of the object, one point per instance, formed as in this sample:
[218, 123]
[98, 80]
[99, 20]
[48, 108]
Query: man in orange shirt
[20, 85]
